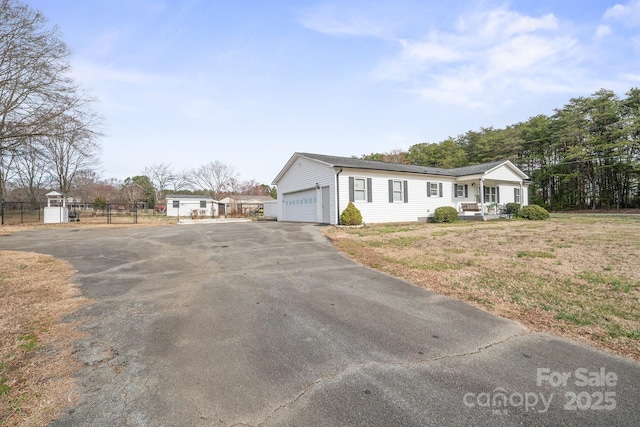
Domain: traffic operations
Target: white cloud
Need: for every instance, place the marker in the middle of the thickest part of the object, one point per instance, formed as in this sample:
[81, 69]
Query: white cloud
[602, 31]
[527, 53]
[502, 22]
[333, 22]
[628, 13]
[429, 51]
[489, 55]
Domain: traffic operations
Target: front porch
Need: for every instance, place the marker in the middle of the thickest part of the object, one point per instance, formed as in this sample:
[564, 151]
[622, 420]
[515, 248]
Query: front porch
[481, 211]
[485, 196]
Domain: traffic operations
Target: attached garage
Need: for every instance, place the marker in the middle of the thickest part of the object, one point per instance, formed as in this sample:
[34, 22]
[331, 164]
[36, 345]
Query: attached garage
[301, 206]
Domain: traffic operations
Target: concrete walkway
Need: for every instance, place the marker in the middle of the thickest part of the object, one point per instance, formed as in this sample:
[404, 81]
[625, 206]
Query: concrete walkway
[265, 324]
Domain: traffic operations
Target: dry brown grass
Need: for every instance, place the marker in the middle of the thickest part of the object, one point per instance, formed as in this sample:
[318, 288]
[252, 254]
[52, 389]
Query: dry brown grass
[575, 275]
[35, 347]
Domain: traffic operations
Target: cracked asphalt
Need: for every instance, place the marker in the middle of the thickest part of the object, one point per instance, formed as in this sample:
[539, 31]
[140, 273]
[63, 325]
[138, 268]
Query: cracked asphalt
[265, 324]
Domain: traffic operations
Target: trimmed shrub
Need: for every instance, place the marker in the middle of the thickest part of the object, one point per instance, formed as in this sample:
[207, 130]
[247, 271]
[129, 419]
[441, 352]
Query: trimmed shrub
[351, 215]
[445, 214]
[513, 209]
[534, 212]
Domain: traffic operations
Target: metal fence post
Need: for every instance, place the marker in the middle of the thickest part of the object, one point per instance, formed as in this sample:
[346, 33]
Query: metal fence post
[2, 210]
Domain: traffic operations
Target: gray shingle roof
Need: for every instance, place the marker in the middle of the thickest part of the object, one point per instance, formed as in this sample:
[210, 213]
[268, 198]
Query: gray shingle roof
[350, 162]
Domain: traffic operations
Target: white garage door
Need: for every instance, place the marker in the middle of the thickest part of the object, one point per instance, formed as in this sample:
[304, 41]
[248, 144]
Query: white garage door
[301, 206]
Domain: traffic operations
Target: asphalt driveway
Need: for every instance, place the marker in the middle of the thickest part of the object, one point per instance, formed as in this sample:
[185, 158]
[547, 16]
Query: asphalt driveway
[266, 324]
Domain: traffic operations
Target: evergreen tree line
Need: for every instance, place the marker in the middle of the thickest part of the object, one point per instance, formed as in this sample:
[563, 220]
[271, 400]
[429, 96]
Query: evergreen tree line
[584, 156]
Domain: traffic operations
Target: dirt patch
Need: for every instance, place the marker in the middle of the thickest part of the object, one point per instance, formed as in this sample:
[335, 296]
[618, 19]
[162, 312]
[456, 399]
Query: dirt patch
[36, 363]
[576, 275]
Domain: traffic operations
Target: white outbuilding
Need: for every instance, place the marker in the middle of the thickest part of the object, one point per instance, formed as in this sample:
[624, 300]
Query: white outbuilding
[56, 211]
[189, 205]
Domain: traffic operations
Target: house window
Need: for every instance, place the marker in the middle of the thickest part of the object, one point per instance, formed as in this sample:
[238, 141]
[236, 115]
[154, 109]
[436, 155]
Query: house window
[359, 189]
[516, 195]
[397, 191]
[490, 194]
[176, 204]
[459, 190]
[203, 204]
[434, 189]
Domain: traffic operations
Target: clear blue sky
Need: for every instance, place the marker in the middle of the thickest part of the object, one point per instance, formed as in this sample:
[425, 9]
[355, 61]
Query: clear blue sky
[249, 83]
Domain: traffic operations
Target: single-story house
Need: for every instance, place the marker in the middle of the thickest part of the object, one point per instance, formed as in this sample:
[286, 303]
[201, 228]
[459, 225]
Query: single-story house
[318, 187]
[191, 205]
[242, 205]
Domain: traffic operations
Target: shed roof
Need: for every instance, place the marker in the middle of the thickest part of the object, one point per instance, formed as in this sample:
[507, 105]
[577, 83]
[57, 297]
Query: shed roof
[189, 196]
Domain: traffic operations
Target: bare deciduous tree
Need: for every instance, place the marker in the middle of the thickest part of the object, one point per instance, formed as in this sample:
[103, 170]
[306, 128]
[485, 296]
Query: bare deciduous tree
[85, 185]
[41, 107]
[31, 171]
[252, 187]
[35, 87]
[215, 177]
[70, 148]
[181, 181]
[160, 175]
[7, 159]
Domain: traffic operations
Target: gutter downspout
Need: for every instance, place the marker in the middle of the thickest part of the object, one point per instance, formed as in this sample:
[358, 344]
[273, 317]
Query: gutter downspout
[338, 197]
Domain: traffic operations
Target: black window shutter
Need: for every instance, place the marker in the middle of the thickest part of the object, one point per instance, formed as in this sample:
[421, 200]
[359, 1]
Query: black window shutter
[369, 191]
[390, 191]
[352, 197]
[466, 190]
[428, 189]
[455, 190]
[406, 191]
[498, 194]
[440, 188]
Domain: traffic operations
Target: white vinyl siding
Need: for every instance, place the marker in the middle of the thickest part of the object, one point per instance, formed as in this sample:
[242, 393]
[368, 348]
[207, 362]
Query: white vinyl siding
[503, 173]
[380, 209]
[184, 205]
[303, 175]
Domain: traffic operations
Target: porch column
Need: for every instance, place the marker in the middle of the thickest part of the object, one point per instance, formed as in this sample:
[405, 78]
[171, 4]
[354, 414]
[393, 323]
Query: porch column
[482, 197]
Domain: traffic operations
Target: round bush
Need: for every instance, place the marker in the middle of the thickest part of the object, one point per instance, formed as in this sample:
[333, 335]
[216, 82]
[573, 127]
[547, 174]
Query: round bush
[534, 212]
[351, 215]
[513, 209]
[445, 214]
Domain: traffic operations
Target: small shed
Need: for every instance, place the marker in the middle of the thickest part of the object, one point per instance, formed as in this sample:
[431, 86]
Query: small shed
[197, 206]
[56, 211]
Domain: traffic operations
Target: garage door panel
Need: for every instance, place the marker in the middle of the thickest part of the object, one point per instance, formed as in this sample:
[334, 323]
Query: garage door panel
[301, 206]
